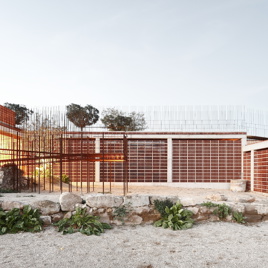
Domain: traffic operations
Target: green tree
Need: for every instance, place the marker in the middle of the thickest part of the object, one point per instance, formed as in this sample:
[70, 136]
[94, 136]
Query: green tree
[82, 116]
[22, 113]
[116, 120]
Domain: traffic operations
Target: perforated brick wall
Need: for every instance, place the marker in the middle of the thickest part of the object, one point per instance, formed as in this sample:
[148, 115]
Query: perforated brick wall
[206, 160]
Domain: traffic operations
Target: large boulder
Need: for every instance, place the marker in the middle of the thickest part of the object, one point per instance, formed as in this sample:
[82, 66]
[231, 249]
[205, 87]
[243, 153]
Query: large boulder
[46, 207]
[11, 177]
[69, 200]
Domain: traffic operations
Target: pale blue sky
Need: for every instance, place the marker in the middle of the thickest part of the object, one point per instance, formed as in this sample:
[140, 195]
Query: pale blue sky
[142, 52]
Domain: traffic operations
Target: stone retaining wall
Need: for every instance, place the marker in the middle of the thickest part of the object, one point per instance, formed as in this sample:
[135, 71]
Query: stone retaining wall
[139, 208]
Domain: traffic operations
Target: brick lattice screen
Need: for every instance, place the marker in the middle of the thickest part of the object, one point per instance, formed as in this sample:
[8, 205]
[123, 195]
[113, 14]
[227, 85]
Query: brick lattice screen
[206, 160]
[261, 171]
[147, 161]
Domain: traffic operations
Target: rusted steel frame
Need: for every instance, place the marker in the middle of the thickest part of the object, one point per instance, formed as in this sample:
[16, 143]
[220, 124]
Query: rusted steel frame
[52, 165]
[88, 181]
[69, 167]
[61, 163]
[81, 162]
[103, 142]
[39, 163]
[125, 164]
[18, 162]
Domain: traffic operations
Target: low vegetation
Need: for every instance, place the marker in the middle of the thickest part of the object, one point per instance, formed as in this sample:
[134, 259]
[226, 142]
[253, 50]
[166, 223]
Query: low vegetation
[175, 218]
[82, 222]
[223, 211]
[121, 212]
[16, 220]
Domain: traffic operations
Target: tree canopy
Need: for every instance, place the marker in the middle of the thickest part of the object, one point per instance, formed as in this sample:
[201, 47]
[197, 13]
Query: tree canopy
[22, 113]
[116, 120]
[82, 116]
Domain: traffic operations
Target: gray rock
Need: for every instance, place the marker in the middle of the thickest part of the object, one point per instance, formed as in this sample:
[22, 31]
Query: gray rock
[9, 205]
[173, 199]
[69, 200]
[57, 217]
[262, 209]
[68, 215]
[238, 185]
[251, 209]
[104, 217]
[253, 218]
[104, 201]
[245, 199]
[217, 197]
[188, 202]
[137, 200]
[238, 207]
[134, 220]
[46, 219]
[46, 207]
[194, 210]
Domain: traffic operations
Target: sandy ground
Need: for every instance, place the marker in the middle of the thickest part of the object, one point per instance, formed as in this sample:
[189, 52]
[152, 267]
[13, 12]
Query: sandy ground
[215, 244]
[205, 245]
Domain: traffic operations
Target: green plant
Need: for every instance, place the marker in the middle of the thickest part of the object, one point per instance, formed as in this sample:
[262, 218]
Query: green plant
[160, 206]
[239, 217]
[6, 191]
[176, 218]
[121, 212]
[209, 204]
[65, 178]
[222, 211]
[82, 222]
[16, 220]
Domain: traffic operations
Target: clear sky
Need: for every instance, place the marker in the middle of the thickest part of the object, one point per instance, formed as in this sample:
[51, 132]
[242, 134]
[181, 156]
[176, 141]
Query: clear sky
[125, 52]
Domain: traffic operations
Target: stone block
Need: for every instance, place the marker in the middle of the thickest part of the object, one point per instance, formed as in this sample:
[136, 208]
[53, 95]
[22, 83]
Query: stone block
[188, 202]
[238, 207]
[217, 197]
[9, 205]
[253, 218]
[57, 217]
[137, 200]
[262, 209]
[251, 209]
[173, 199]
[245, 199]
[46, 207]
[69, 200]
[194, 210]
[134, 220]
[104, 201]
[46, 219]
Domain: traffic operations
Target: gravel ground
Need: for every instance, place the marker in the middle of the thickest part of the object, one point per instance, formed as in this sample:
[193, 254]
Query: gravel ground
[212, 244]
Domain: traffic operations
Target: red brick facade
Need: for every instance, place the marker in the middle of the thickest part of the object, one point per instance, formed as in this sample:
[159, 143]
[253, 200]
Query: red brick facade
[7, 116]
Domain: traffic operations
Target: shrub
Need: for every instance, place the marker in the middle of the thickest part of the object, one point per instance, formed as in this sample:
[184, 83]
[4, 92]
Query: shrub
[160, 206]
[82, 222]
[16, 220]
[121, 212]
[65, 178]
[176, 218]
[222, 211]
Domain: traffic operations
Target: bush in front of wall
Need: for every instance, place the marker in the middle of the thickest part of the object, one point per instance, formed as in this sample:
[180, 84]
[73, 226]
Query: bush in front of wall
[121, 212]
[82, 222]
[160, 206]
[176, 218]
[16, 220]
[222, 211]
